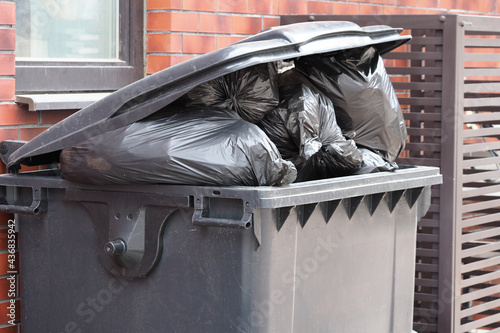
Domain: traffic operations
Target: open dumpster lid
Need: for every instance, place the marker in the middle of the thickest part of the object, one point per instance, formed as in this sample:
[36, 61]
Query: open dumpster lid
[150, 94]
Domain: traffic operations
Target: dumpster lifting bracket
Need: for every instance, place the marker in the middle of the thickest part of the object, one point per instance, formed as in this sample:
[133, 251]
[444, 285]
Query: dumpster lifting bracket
[37, 206]
[129, 227]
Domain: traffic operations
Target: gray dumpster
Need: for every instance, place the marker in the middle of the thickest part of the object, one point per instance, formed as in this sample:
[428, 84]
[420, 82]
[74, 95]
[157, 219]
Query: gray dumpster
[331, 255]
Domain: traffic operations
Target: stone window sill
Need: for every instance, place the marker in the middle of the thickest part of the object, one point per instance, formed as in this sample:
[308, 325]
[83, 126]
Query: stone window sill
[75, 101]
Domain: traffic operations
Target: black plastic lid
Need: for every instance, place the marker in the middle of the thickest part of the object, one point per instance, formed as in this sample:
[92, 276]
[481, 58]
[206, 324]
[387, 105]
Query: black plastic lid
[150, 94]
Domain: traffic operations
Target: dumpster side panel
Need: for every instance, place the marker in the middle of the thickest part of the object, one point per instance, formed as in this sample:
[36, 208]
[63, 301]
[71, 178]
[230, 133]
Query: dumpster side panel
[356, 274]
[198, 282]
[353, 250]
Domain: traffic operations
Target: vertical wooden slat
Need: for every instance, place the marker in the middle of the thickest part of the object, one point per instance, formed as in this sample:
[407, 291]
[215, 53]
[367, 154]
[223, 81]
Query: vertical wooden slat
[426, 321]
[458, 32]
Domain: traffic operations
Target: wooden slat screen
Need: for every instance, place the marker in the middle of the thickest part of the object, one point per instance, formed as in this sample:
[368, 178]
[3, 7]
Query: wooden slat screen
[479, 241]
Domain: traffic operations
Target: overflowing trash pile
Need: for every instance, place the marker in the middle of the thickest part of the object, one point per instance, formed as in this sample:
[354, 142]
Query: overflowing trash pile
[319, 116]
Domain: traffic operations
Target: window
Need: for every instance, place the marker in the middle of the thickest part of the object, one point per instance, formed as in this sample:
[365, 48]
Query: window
[78, 45]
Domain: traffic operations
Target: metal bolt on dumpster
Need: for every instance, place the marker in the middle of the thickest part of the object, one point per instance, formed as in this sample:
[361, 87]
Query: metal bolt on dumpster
[331, 255]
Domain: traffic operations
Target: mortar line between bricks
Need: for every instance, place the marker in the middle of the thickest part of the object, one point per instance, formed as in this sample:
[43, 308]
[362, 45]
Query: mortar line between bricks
[174, 54]
[272, 15]
[8, 300]
[9, 325]
[3, 277]
[22, 126]
[4, 252]
[10, 127]
[213, 13]
[213, 34]
[209, 34]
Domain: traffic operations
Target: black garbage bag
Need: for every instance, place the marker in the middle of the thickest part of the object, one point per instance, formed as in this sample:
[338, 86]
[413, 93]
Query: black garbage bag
[373, 162]
[334, 160]
[274, 124]
[251, 92]
[365, 102]
[305, 131]
[204, 146]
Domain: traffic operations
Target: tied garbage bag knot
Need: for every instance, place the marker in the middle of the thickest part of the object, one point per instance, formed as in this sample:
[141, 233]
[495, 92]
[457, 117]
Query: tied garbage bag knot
[251, 92]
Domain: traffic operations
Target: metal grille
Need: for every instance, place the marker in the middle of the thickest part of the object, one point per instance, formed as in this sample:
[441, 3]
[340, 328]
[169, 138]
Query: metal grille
[448, 81]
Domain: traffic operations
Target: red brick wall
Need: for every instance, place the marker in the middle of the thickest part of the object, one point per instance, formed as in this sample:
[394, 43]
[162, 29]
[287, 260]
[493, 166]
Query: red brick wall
[15, 123]
[181, 29]
[8, 114]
